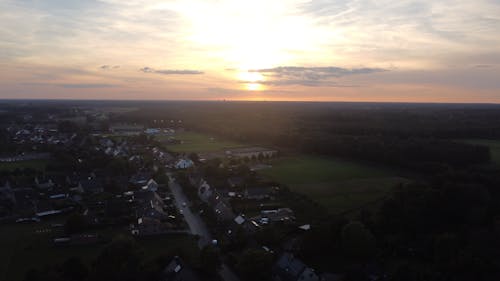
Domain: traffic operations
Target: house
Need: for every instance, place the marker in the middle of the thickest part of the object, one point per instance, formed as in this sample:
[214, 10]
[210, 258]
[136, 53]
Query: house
[177, 270]
[72, 180]
[26, 200]
[251, 152]
[90, 185]
[149, 204]
[151, 186]
[278, 215]
[150, 226]
[117, 207]
[204, 191]
[140, 179]
[44, 183]
[152, 131]
[85, 239]
[195, 179]
[116, 183]
[184, 164]
[106, 143]
[235, 182]
[224, 192]
[222, 209]
[239, 220]
[330, 277]
[6, 193]
[7, 199]
[289, 268]
[127, 129]
[259, 192]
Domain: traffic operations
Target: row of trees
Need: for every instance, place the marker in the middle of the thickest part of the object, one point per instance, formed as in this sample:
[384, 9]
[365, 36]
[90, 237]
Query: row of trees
[123, 259]
[442, 230]
[413, 152]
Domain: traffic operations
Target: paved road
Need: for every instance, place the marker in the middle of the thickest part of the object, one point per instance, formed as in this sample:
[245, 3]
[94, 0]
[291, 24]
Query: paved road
[195, 222]
[197, 226]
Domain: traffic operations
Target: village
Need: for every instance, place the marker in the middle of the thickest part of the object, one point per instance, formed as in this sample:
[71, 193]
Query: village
[121, 177]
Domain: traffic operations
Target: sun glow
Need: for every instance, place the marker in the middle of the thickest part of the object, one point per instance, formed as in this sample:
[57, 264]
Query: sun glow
[249, 34]
[250, 76]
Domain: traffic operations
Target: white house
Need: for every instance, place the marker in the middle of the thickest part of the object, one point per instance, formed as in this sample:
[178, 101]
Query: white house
[152, 131]
[204, 192]
[151, 186]
[184, 164]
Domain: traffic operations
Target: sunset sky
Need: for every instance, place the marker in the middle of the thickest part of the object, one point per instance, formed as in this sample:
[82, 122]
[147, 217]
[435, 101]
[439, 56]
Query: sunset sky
[349, 50]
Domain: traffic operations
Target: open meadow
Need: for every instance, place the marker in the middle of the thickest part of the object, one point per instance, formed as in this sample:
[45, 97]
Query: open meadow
[29, 164]
[27, 246]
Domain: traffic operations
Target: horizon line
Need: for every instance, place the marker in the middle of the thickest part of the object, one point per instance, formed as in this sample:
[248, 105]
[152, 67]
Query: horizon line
[239, 100]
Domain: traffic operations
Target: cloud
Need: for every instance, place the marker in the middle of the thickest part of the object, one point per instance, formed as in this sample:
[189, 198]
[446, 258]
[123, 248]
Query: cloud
[317, 72]
[69, 85]
[309, 76]
[108, 67]
[85, 85]
[171, 71]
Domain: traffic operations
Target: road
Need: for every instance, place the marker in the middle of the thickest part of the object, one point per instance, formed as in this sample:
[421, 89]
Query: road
[197, 226]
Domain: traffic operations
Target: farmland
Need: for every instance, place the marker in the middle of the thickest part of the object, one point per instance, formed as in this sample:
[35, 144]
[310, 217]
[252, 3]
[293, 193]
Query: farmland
[338, 185]
[196, 142]
[494, 146]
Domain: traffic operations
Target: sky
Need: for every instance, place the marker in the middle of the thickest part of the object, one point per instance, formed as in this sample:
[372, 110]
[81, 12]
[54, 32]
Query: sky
[314, 50]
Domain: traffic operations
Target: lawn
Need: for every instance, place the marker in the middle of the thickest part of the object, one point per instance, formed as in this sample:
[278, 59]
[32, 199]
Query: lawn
[32, 164]
[197, 142]
[338, 185]
[494, 146]
[22, 248]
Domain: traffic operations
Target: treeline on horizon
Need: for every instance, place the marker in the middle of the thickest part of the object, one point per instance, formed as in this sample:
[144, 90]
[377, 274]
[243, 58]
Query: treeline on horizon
[422, 136]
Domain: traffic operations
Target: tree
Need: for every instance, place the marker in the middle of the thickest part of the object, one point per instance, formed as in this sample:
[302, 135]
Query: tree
[75, 223]
[445, 248]
[260, 157]
[73, 269]
[357, 241]
[67, 127]
[119, 260]
[210, 260]
[255, 264]
[194, 157]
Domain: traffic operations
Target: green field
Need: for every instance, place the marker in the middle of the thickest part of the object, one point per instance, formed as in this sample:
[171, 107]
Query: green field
[338, 185]
[32, 164]
[22, 248]
[197, 142]
[494, 146]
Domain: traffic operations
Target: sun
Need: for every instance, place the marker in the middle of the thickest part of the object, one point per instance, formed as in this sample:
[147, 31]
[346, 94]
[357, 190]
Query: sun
[251, 79]
[254, 87]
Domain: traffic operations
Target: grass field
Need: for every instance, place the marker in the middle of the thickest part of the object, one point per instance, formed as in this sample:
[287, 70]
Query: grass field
[494, 146]
[336, 184]
[33, 164]
[22, 248]
[197, 142]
